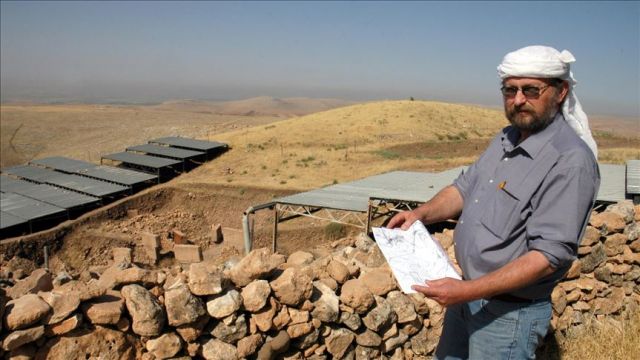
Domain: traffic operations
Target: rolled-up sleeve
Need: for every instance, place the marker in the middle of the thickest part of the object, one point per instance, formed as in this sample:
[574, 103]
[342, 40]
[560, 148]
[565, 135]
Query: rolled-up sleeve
[560, 212]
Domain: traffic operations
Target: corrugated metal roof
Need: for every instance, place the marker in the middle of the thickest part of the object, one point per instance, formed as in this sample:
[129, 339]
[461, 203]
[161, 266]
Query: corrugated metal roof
[633, 177]
[63, 164]
[167, 151]
[118, 175]
[612, 180]
[68, 181]
[8, 220]
[189, 143]
[27, 208]
[153, 162]
[46, 193]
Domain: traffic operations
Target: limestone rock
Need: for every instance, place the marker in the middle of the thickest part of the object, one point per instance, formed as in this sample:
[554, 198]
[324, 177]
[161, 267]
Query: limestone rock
[611, 304]
[411, 328]
[224, 305]
[368, 338]
[99, 343]
[255, 295]
[632, 231]
[624, 209]
[614, 244]
[355, 294]
[105, 309]
[379, 281]
[205, 279]
[25, 311]
[419, 303]
[326, 303]
[249, 345]
[231, 329]
[574, 271]
[292, 287]
[62, 304]
[338, 271]
[300, 258]
[339, 341]
[264, 317]
[64, 326]
[282, 319]
[117, 275]
[367, 353]
[215, 349]
[424, 342]
[352, 321]
[380, 317]
[148, 317]
[20, 337]
[307, 340]
[182, 306]
[330, 282]
[280, 343]
[402, 306]
[394, 342]
[191, 332]
[298, 330]
[257, 264]
[164, 347]
[298, 316]
[39, 280]
[591, 236]
[595, 258]
[558, 299]
[608, 221]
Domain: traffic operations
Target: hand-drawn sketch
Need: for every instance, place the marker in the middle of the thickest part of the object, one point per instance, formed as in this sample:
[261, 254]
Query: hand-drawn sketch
[413, 255]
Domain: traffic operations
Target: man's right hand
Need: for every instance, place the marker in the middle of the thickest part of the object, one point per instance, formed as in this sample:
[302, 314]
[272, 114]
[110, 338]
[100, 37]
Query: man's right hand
[403, 220]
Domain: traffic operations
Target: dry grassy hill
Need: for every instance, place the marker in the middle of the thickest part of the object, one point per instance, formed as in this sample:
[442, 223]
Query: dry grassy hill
[352, 142]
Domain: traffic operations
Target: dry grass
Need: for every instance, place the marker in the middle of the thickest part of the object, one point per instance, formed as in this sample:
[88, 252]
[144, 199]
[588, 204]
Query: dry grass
[599, 340]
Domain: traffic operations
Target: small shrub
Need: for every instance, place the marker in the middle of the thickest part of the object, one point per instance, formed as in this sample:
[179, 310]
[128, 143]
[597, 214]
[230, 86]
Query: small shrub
[388, 154]
[334, 231]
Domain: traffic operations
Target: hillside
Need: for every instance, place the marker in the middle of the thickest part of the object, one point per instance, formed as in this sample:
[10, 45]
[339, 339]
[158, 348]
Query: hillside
[352, 142]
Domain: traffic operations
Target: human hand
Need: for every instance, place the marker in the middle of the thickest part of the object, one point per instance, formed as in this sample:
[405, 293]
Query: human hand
[403, 220]
[446, 291]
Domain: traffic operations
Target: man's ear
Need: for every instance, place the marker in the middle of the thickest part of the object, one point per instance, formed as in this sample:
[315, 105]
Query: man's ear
[563, 91]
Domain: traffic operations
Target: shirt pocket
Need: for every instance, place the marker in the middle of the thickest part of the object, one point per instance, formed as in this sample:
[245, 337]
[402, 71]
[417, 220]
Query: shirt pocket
[501, 212]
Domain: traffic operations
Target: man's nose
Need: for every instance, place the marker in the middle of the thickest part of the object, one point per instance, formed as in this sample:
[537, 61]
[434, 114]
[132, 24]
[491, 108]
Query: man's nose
[520, 98]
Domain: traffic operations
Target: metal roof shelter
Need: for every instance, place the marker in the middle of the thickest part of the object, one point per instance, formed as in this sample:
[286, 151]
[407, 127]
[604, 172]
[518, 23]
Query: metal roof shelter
[162, 167]
[28, 209]
[633, 180]
[383, 194]
[116, 175]
[7, 220]
[189, 158]
[212, 148]
[47, 193]
[68, 181]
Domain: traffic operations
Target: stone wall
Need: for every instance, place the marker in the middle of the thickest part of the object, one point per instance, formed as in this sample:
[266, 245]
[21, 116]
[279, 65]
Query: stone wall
[340, 304]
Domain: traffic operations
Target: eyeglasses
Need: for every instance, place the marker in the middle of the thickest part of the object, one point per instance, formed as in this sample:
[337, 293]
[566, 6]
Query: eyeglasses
[529, 91]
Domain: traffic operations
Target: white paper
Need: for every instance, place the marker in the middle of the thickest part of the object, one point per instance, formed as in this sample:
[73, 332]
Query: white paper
[414, 256]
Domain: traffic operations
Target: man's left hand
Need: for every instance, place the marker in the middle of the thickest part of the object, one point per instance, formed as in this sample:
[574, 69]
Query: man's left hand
[446, 291]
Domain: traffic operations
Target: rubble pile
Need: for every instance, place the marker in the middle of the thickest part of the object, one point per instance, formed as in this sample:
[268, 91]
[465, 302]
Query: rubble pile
[265, 306]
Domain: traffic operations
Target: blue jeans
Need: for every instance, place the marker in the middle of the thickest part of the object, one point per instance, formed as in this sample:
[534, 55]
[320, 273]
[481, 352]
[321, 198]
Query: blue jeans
[493, 329]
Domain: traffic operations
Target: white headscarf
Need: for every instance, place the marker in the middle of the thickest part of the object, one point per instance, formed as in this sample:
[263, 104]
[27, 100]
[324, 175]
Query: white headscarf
[547, 62]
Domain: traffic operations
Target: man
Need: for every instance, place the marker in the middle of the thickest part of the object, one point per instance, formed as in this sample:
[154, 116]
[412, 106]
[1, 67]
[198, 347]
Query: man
[522, 208]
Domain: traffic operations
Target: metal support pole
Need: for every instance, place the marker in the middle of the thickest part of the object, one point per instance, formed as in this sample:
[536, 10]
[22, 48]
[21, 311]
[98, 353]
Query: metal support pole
[276, 219]
[368, 227]
[46, 257]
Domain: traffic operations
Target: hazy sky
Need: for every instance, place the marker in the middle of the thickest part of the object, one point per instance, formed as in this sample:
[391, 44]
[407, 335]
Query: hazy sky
[148, 52]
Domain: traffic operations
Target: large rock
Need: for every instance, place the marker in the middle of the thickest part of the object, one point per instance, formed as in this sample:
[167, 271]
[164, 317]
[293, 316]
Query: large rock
[379, 281]
[381, 316]
[182, 307]
[39, 280]
[402, 306]
[326, 305]
[614, 244]
[264, 317]
[608, 221]
[191, 332]
[558, 299]
[64, 326]
[224, 305]
[63, 304]
[611, 304]
[119, 274]
[595, 258]
[249, 345]
[352, 321]
[205, 279]
[300, 258]
[292, 287]
[356, 295]
[368, 338]
[624, 209]
[215, 349]
[307, 340]
[424, 342]
[394, 342]
[257, 264]
[20, 337]
[255, 295]
[299, 330]
[591, 236]
[105, 309]
[632, 231]
[148, 317]
[99, 343]
[165, 346]
[231, 329]
[338, 342]
[25, 311]
[338, 271]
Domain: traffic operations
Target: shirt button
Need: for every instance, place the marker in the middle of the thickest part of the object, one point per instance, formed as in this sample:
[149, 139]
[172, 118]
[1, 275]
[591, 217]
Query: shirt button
[491, 181]
[506, 159]
[461, 221]
[475, 201]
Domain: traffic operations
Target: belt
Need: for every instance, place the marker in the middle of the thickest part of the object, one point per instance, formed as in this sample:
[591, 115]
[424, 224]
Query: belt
[514, 299]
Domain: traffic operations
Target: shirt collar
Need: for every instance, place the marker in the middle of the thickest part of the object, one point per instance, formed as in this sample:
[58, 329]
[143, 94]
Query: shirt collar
[535, 142]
